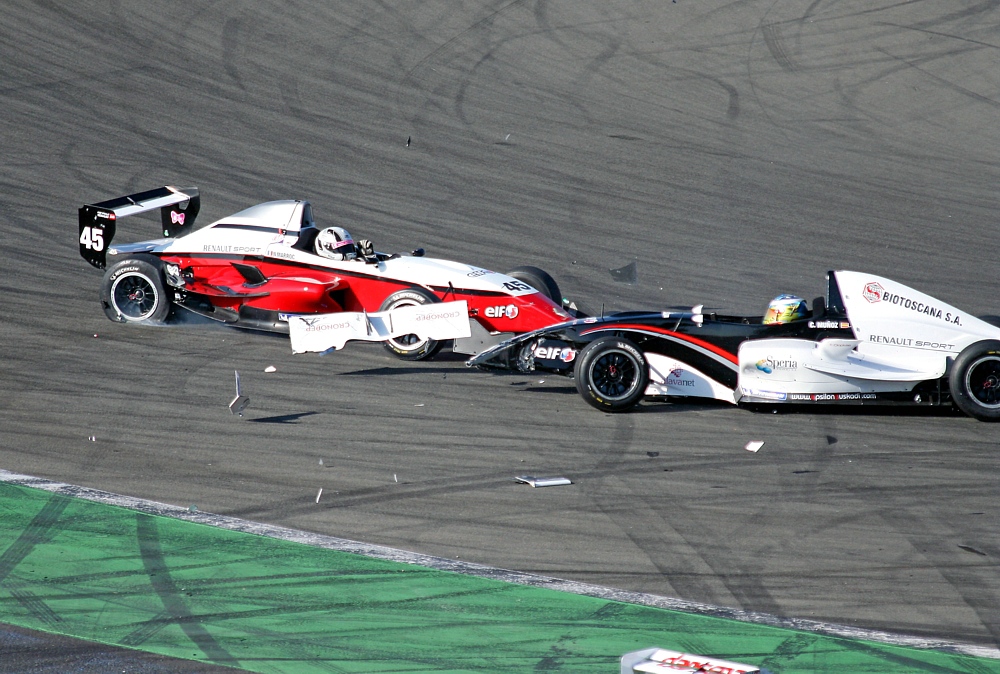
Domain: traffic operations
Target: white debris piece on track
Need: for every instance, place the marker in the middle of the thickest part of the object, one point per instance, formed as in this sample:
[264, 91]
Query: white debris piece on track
[543, 481]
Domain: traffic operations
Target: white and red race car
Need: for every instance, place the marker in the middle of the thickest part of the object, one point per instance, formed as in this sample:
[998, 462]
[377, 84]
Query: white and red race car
[258, 269]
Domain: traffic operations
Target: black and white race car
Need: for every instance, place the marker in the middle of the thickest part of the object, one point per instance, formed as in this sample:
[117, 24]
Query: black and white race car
[870, 340]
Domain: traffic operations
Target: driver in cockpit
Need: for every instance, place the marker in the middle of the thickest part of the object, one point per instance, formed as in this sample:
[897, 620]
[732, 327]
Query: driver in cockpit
[785, 309]
[336, 243]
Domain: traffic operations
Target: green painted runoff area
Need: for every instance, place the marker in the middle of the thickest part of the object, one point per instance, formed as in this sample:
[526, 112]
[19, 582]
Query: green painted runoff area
[188, 590]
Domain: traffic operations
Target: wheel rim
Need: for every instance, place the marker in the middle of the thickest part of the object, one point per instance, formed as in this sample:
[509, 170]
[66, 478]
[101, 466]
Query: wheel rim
[407, 343]
[134, 296]
[983, 381]
[614, 375]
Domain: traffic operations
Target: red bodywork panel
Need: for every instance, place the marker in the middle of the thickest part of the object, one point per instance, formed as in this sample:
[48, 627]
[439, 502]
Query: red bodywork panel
[301, 290]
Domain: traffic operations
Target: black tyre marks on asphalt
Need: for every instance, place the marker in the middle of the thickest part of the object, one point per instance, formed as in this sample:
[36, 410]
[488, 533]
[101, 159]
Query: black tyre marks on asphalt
[40, 530]
[671, 534]
[148, 538]
[776, 45]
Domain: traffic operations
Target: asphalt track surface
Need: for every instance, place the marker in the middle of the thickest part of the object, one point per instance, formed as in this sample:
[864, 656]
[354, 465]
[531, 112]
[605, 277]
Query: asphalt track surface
[733, 151]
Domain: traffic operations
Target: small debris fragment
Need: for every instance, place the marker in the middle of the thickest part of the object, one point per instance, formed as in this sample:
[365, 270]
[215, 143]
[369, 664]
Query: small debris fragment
[270, 368]
[192, 508]
[542, 481]
[754, 445]
[419, 405]
[629, 274]
[652, 455]
[395, 478]
[95, 334]
[541, 381]
[241, 401]
[93, 438]
[321, 462]
[318, 494]
[407, 141]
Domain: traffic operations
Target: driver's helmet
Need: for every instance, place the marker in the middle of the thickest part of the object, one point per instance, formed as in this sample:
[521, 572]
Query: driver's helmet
[335, 243]
[785, 309]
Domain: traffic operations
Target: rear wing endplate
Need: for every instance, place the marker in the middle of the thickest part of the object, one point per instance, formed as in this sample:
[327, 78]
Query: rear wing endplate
[178, 210]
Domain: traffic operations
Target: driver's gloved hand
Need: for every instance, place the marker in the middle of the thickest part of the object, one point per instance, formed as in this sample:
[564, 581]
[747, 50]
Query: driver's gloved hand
[365, 248]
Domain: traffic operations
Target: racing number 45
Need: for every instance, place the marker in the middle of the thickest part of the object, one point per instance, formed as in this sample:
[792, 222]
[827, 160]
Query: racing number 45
[517, 285]
[92, 238]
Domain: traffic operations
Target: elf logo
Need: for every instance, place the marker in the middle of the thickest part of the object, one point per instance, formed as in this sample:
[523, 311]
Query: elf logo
[565, 354]
[505, 311]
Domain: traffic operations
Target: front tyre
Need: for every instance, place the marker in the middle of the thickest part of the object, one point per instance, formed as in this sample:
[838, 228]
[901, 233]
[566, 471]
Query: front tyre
[410, 347]
[538, 279]
[133, 291]
[612, 374]
[974, 380]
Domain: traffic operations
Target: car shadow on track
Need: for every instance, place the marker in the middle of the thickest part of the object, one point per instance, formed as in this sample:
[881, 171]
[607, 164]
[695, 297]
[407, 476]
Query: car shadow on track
[666, 406]
[389, 370]
[283, 419]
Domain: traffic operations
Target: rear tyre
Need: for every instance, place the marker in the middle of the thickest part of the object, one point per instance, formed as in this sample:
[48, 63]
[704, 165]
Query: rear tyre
[975, 380]
[410, 347]
[133, 291]
[612, 374]
[539, 280]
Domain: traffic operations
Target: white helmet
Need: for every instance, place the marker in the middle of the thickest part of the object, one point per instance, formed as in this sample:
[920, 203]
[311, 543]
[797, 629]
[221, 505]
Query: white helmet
[335, 243]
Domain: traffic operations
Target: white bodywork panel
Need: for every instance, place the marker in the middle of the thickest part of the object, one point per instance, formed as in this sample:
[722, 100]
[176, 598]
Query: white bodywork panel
[894, 321]
[275, 240]
[663, 660]
[445, 320]
[670, 377]
[777, 369]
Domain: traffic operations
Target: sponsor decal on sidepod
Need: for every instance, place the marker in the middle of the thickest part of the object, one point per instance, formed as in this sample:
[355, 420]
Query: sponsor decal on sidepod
[827, 397]
[504, 311]
[767, 365]
[907, 341]
[675, 378]
[565, 354]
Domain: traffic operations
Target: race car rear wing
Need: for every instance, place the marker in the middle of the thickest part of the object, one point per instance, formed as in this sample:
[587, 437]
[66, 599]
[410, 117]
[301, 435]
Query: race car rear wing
[178, 210]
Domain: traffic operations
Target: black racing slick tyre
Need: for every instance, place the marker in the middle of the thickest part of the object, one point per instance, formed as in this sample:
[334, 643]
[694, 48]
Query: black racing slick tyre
[410, 347]
[612, 374]
[538, 279]
[134, 291]
[974, 380]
